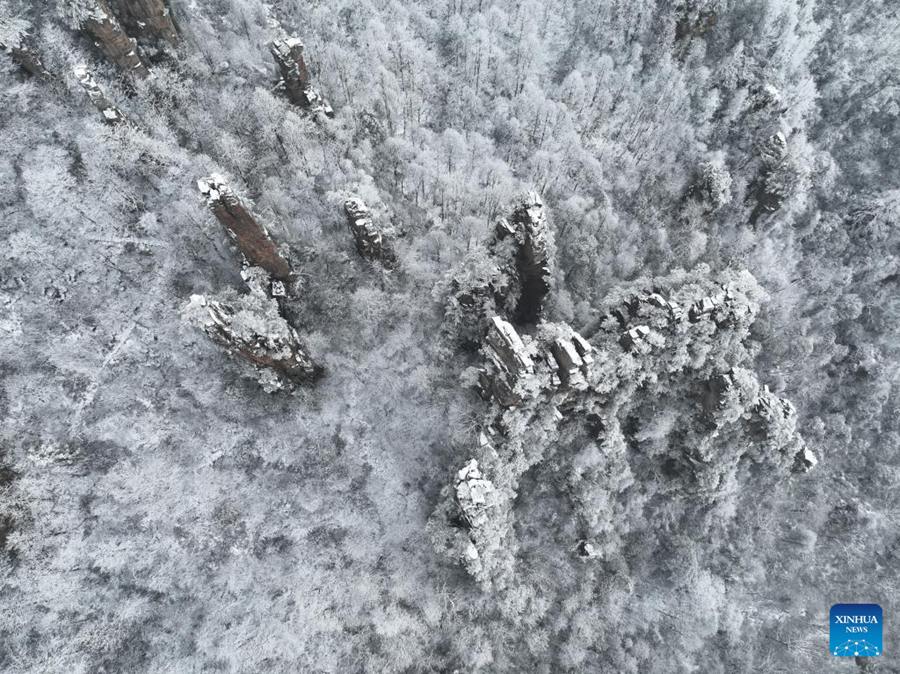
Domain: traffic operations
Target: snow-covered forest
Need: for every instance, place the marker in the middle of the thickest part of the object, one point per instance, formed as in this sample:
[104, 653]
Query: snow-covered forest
[447, 335]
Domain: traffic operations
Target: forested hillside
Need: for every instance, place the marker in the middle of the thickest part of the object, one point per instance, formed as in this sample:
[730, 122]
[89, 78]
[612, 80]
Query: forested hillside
[447, 336]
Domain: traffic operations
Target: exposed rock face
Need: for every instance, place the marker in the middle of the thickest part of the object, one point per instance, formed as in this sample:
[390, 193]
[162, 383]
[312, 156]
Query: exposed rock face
[288, 54]
[474, 494]
[586, 549]
[508, 363]
[479, 518]
[518, 368]
[148, 20]
[369, 237]
[529, 228]
[250, 235]
[479, 290]
[109, 112]
[103, 26]
[510, 279]
[29, 61]
[573, 357]
[703, 307]
[251, 327]
[476, 499]
[635, 337]
[805, 461]
[660, 302]
[777, 419]
[552, 388]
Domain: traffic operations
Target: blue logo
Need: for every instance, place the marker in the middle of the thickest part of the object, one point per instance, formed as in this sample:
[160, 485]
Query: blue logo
[855, 630]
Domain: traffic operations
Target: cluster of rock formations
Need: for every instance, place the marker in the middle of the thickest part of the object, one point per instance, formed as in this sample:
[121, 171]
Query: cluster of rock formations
[295, 79]
[251, 326]
[676, 342]
[98, 21]
[511, 369]
[369, 237]
[115, 26]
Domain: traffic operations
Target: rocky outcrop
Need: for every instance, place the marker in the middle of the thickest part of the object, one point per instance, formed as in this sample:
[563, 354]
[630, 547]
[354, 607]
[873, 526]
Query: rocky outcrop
[369, 238]
[103, 26]
[478, 519]
[479, 289]
[672, 308]
[510, 278]
[295, 79]
[551, 388]
[108, 111]
[251, 327]
[805, 460]
[702, 308]
[635, 337]
[573, 356]
[147, 20]
[250, 236]
[508, 364]
[518, 368]
[639, 306]
[475, 495]
[528, 227]
[586, 549]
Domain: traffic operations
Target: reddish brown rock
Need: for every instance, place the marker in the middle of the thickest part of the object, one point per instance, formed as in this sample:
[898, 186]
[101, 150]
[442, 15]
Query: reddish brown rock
[109, 35]
[148, 20]
[370, 240]
[250, 326]
[250, 235]
[288, 54]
